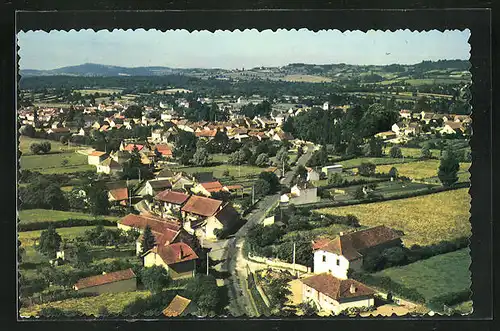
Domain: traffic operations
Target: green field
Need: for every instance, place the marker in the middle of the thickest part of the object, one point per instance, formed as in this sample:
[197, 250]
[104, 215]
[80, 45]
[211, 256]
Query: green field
[416, 152]
[307, 79]
[222, 158]
[419, 169]
[40, 215]
[114, 302]
[438, 275]
[27, 238]
[100, 91]
[353, 163]
[25, 143]
[425, 220]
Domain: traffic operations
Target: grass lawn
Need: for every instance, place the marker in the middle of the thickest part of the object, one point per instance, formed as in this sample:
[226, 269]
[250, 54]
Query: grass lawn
[115, 302]
[28, 237]
[100, 91]
[40, 215]
[419, 169]
[331, 231]
[417, 152]
[234, 170]
[56, 146]
[32, 256]
[464, 307]
[53, 163]
[222, 158]
[307, 79]
[425, 219]
[438, 275]
[353, 163]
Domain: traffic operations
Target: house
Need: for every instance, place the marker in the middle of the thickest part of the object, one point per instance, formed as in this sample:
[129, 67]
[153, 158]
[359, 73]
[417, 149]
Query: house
[182, 182]
[233, 188]
[203, 177]
[333, 295]
[326, 105]
[58, 132]
[154, 186]
[179, 306]
[301, 194]
[451, 127]
[165, 230]
[178, 259]
[405, 113]
[130, 147]
[197, 209]
[109, 167]
[398, 128]
[120, 156]
[164, 150]
[206, 134]
[96, 157]
[113, 282]
[207, 188]
[226, 220]
[413, 129]
[332, 169]
[119, 195]
[282, 136]
[426, 116]
[346, 251]
[386, 135]
[165, 173]
[170, 202]
[312, 174]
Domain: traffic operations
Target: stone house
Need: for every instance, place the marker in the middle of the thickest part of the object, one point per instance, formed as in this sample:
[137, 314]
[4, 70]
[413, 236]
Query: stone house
[178, 259]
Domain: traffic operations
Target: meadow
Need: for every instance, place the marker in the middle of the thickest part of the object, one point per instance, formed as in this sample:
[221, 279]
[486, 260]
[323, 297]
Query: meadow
[28, 238]
[425, 220]
[234, 170]
[307, 79]
[114, 302]
[100, 91]
[57, 147]
[438, 275]
[419, 169]
[353, 163]
[41, 215]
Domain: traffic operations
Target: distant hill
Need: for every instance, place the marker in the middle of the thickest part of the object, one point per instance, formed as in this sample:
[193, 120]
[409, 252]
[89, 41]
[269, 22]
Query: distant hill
[325, 70]
[92, 69]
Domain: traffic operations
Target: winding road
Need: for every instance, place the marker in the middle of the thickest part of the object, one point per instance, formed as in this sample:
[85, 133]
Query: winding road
[234, 261]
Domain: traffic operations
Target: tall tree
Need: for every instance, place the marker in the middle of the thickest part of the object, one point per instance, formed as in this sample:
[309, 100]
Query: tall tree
[448, 168]
[49, 241]
[154, 278]
[201, 157]
[148, 240]
[98, 199]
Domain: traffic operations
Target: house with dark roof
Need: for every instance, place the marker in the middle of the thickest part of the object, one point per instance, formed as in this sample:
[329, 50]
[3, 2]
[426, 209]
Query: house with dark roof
[113, 282]
[154, 186]
[179, 259]
[333, 295]
[170, 202]
[347, 250]
[109, 166]
[226, 220]
[165, 173]
[203, 177]
[179, 306]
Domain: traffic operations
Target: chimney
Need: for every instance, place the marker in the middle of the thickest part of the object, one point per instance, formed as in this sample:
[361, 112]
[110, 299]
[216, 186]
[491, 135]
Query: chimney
[352, 289]
[180, 253]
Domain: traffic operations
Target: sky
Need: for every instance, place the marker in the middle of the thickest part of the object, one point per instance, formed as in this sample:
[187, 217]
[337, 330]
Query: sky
[238, 49]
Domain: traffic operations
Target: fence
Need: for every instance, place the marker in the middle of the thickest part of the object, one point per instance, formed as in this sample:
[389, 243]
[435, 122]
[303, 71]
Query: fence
[279, 264]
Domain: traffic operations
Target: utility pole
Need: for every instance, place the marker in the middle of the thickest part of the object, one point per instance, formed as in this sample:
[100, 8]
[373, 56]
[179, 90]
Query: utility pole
[294, 257]
[208, 262]
[139, 171]
[253, 194]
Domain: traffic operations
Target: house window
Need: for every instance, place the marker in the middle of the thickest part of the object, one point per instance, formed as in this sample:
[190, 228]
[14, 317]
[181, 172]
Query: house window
[338, 261]
[324, 258]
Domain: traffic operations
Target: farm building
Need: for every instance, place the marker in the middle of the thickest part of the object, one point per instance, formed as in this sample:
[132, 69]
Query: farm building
[170, 202]
[332, 169]
[109, 167]
[154, 186]
[346, 252]
[333, 295]
[301, 194]
[118, 281]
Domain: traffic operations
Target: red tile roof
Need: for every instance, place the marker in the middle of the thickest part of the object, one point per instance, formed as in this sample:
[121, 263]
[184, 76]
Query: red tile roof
[165, 150]
[119, 193]
[337, 289]
[206, 133]
[351, 244]
[165, 230]
[105, 279]
[170, 196]
[212, 186]
[201, 206]
[233, 187]
[97, 153]
[175, 253]
[177, 306]
[130, 147]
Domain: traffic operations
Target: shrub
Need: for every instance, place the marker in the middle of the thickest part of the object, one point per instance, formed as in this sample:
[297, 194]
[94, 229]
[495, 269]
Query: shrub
[70, 222]
[449, 299]
[367, 169]
[395, 152]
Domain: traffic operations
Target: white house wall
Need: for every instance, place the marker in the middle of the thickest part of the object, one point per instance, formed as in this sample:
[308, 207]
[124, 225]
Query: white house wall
[330, 265]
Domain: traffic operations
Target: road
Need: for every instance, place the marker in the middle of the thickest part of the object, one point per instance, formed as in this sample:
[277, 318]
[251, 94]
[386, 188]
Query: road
[233, 259]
